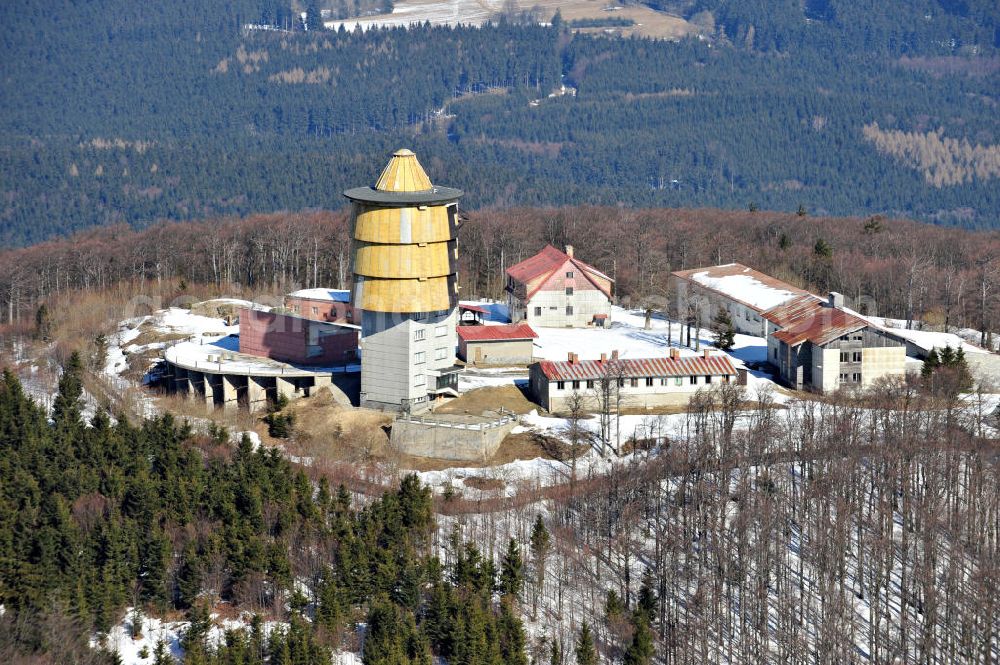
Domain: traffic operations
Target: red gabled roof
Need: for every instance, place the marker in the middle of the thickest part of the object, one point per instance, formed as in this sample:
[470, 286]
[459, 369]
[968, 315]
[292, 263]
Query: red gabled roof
[586, 370]
[472, 308]
[496, 333]
[549, 260]
[807, 318]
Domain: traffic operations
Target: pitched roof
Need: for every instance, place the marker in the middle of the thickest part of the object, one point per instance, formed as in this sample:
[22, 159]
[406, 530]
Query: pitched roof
[403, 181]
[807, 318]
[743, 284]
[586, 370]
[549, 260]
[495, 333]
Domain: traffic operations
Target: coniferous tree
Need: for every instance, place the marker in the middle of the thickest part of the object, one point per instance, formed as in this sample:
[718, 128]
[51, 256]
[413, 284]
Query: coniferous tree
[555, 652]
[724, 332]
[640, 651]
[539, 550]
[586, 654]
[511, 571]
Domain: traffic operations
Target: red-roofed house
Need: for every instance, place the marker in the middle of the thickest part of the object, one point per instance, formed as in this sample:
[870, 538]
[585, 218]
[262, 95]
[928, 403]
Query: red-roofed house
[496, 345]
[818, 345]
[554, 289]
[643, 382]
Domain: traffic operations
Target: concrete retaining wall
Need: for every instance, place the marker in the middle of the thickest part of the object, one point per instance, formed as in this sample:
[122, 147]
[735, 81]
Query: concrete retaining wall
[453, 441]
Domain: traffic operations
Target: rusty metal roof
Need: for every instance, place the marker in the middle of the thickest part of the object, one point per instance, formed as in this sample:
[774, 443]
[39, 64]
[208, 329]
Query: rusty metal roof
[587, 370]
[496, 333]
[807, 318]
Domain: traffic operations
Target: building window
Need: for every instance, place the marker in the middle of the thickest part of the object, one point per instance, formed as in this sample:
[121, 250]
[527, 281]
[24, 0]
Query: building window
[663, 381]
[633, 382]
[576, 385]
[844, 378]
[569, 310]
[315, 310]
[590, 383]
[569, 274]
[419, 380]
[708, 378]
[419, 357]
[845, 356]
[678, 381]
[420, 316]
[560, 385]
[440, 354]
[538, 311]
[693, 380]
[419, 334]
[775, 352]
[649, 381]
[441, 331]
[569, 290]
[856, 357]
[856, 377]
[621, 383]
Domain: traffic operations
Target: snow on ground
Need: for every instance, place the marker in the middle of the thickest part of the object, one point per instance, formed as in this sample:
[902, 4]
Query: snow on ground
[155, 630]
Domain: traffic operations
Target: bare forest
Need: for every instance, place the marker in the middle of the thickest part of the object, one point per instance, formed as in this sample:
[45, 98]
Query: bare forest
[944, 277]
[854, 530]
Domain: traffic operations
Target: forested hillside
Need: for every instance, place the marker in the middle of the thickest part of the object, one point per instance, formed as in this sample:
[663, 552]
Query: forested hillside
[116, 112]
[96, 517]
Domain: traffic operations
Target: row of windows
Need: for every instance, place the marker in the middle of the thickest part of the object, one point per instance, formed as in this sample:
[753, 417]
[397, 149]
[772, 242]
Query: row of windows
[421, 356]
[633, 382]
[854, 377]
[420, 334]
[569, 310]
[850, 356]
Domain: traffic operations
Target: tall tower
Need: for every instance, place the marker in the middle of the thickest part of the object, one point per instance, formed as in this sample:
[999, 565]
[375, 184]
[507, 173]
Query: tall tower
[404, 271]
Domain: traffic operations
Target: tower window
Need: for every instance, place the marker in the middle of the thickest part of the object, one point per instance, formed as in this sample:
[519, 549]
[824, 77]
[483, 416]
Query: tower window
[419, 334]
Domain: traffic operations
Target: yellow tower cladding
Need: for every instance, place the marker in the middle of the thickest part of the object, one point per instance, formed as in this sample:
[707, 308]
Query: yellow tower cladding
[405, 253]
[404, 284]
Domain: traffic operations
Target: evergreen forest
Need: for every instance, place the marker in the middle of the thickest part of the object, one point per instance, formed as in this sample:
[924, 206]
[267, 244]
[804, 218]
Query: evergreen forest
[96, 515]
[119, 112]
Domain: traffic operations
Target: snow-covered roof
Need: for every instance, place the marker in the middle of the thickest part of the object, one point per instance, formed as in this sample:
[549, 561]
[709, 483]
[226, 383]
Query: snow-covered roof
[334, 295]
[738, 282]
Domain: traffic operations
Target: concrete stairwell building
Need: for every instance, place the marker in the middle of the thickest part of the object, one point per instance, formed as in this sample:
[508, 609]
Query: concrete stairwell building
[404, 272]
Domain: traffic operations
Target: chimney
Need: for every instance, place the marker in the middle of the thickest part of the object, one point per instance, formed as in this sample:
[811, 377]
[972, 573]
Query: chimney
[836, 300]
[614, 354]
[569, 357]
[674, 354]
[706, 353]
[569, 251]
[604, 357]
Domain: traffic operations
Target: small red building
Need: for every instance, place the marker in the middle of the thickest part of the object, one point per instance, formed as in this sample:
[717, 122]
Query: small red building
[332, 305]
[297, 340]
[496, 345]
